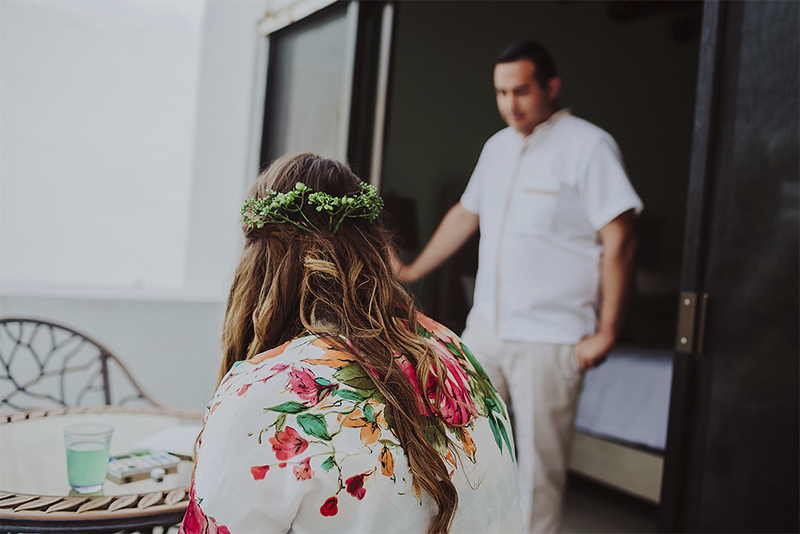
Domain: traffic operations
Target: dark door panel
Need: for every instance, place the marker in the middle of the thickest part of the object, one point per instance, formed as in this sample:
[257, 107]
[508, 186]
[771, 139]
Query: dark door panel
[732, 463]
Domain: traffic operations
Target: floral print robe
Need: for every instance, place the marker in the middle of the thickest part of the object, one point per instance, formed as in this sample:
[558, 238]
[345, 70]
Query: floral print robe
[296, 440]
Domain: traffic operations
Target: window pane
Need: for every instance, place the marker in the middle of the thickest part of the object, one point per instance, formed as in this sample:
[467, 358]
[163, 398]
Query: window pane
[308, 91]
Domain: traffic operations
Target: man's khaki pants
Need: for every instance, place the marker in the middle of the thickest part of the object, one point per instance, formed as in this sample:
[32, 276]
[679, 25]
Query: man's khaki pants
[541, 382]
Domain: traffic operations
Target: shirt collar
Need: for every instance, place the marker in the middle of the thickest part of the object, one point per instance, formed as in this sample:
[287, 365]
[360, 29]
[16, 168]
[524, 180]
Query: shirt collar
[544, 126]
[550, 122]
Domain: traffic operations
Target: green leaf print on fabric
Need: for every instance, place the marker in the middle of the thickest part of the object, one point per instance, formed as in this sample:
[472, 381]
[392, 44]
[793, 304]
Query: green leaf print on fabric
[496, 431]
[435, 437]
[424, 333]
[473, 360]
[356, 377]
[328, 464]
[314, 425]
[369, 414]
[288, 407]
[491, 406]
[505, 438]
[379, 398]
[280, 422]
[498, 426]
[349, 394]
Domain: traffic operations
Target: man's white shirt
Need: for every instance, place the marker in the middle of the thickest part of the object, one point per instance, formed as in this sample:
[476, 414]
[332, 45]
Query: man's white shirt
[541, 200]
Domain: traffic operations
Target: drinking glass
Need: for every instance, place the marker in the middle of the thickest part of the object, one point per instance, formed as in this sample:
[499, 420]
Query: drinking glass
[87, 455]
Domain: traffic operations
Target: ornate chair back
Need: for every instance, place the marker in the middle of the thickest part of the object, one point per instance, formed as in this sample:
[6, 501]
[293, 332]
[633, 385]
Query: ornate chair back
[45, 365]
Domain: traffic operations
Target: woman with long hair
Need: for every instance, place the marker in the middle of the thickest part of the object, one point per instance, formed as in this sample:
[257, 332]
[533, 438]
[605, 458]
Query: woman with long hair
[340, 407]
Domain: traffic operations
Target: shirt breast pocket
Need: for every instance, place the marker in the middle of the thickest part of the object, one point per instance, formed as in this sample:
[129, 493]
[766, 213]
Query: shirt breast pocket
[534, 209]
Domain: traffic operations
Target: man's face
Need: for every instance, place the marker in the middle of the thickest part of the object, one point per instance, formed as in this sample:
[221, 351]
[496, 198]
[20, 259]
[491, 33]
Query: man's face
[522, 102]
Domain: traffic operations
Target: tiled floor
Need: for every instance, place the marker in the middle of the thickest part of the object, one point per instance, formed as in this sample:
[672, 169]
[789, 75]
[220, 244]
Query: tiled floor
[593, 508]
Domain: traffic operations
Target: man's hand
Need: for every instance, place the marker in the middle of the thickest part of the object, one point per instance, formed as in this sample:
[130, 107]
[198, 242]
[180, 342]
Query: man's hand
[616, 281]
[454, 230]
[593, 350]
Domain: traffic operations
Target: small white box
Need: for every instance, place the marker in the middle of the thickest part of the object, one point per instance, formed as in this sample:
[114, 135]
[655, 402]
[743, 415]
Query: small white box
[137, 465]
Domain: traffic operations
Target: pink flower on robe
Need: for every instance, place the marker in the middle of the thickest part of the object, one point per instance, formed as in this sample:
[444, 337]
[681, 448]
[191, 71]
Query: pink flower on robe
[288, 444]
[456, 408]
[302, 471]
[408, 370]
[277, 368]
[195, 521]
[303, 384]
[435, 328]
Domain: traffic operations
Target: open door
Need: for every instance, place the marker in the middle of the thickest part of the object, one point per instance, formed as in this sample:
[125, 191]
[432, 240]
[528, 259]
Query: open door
[326, 83]
[731, 461]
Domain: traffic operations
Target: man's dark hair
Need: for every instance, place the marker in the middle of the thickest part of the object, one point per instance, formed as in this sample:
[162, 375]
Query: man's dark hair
[536, 54]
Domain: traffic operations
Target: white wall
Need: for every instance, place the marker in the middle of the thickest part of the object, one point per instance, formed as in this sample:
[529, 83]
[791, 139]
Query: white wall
[126, 129]
[98, 110]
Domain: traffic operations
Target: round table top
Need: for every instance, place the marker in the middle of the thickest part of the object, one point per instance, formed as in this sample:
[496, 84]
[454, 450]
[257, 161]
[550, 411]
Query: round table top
[33, 472]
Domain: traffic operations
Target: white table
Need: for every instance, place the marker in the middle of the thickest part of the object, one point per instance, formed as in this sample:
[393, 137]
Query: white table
[35, 495]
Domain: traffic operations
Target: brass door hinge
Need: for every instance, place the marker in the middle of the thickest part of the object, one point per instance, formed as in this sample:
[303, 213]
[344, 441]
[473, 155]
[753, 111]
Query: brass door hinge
[691, 322]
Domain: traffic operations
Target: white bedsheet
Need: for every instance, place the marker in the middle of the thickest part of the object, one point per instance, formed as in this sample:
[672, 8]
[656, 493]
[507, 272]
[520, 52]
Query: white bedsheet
[627, 398]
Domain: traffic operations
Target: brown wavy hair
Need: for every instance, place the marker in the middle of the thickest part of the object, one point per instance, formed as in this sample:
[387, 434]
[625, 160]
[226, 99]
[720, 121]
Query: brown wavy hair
[338, 287]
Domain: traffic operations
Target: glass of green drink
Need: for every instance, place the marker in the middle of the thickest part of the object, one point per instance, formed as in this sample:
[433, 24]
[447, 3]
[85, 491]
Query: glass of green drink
[87, 455]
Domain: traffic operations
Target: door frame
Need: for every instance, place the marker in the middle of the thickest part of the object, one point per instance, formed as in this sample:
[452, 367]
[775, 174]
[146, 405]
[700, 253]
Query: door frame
[683, 414]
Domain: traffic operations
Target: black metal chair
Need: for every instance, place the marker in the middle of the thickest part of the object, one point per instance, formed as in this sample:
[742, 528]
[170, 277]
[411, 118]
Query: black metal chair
[46, 365]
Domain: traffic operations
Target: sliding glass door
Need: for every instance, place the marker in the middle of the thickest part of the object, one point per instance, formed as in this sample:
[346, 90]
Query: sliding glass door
[325, 85]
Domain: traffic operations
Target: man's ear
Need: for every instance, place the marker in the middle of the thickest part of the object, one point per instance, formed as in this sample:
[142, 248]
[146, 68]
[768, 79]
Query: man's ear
[553, 87]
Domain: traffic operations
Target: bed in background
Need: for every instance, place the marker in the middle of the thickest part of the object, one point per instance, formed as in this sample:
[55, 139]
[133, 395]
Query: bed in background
[621, 425]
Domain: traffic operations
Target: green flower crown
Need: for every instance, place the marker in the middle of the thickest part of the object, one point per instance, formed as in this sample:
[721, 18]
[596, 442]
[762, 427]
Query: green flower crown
[277, 207]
